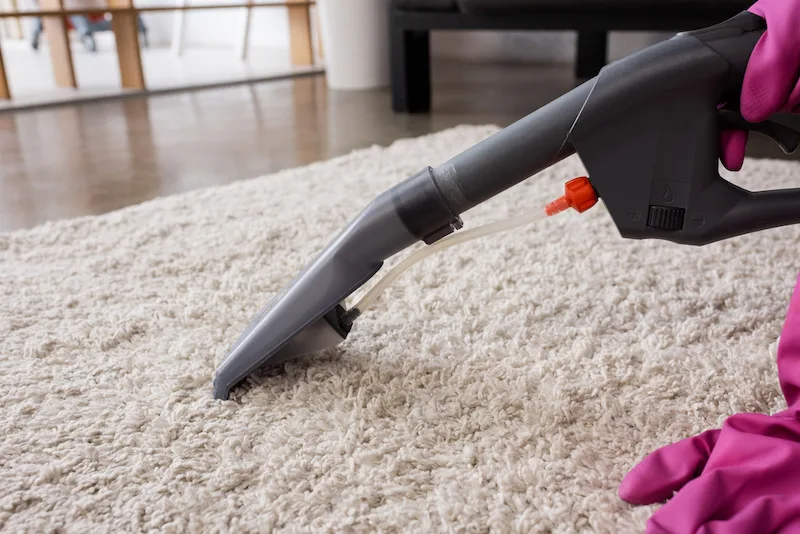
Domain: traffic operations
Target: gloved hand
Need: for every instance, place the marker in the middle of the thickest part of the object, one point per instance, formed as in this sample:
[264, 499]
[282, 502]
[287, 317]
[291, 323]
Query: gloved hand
[771, 82]
[743, 478]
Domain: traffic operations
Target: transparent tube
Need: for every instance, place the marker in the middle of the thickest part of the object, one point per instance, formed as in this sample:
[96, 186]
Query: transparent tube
[444, 243]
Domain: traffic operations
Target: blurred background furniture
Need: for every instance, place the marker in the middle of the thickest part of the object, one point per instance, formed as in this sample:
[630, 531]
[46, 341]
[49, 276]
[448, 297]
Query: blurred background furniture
[356, 40]
[412, 21]
[86, 26]
[181, 55]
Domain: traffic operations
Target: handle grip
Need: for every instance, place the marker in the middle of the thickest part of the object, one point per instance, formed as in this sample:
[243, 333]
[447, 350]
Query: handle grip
[647, 129]
[649, 136]
[734, 40]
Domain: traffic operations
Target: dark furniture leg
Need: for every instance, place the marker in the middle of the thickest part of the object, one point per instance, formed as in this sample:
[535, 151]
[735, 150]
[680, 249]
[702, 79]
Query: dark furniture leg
[411, 70]
[592, 50]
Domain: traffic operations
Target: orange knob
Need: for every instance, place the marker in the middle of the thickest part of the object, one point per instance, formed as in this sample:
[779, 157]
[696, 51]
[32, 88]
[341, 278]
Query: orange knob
[578, 195]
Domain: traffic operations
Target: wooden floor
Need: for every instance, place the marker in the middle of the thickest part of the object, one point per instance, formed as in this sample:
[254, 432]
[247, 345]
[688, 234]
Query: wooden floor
[93, 158]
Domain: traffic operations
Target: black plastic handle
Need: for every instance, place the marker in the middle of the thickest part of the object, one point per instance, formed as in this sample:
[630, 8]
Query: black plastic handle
[647, 129]
[734, 40]
[649, 136]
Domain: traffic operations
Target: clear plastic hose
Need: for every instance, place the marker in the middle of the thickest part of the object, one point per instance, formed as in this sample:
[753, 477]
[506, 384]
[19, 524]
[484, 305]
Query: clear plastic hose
[444, 243]
[578, 195]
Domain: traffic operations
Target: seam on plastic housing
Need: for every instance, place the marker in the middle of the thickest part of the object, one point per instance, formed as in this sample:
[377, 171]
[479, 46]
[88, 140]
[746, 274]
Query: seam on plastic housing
[578, 116]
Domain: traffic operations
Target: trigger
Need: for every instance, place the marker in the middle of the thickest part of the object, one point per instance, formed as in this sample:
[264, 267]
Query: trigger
[786, 138]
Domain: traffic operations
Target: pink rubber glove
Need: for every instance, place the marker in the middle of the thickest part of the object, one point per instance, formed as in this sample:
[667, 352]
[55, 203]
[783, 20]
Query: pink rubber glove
[740, 479]
[771, 80]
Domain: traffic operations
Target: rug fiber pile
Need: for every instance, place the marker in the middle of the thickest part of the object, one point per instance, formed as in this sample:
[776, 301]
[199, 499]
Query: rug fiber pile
[505, 385]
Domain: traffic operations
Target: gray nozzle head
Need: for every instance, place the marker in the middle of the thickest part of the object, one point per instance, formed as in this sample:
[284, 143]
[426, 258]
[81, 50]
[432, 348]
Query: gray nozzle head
[324, 333]
[308, 315]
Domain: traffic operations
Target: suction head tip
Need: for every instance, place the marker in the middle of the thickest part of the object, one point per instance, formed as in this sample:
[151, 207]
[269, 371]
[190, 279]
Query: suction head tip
[220, 392]
[261, 347]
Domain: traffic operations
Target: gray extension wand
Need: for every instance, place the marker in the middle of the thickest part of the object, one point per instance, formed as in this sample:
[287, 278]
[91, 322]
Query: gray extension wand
[647, 131]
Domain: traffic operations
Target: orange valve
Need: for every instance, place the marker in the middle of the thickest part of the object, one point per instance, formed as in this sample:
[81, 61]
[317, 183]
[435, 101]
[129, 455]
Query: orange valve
[579, 194]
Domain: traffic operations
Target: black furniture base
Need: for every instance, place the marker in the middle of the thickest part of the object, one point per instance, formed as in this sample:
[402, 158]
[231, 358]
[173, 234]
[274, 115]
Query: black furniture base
[410, 30]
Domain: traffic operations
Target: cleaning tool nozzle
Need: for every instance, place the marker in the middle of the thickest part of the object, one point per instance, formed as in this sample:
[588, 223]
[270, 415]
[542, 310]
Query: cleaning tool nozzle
[646, 129]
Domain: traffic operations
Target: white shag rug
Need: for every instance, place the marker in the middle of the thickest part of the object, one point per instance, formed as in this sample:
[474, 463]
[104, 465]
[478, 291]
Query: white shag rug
[506, 385]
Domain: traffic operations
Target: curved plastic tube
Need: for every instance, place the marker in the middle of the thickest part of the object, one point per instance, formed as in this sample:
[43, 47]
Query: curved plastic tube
[444, 243]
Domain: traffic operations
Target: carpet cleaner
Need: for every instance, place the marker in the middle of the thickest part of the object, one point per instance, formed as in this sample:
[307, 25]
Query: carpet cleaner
[646, 129]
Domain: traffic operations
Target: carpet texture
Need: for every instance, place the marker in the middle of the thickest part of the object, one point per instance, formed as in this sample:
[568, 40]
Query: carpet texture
[505, 385]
